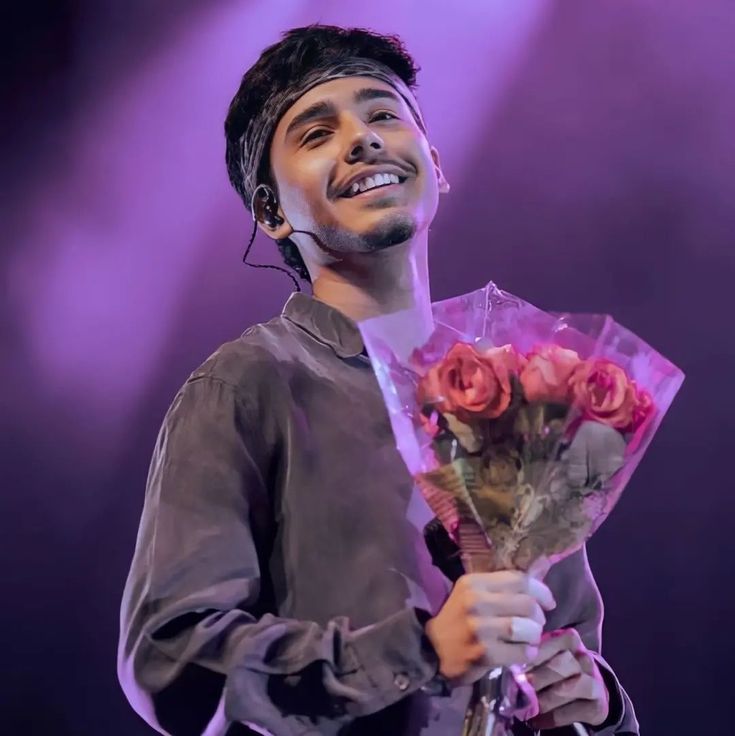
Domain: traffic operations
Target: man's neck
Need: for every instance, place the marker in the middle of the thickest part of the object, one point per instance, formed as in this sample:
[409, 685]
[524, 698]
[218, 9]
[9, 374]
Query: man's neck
[391, 284]
[375, 284]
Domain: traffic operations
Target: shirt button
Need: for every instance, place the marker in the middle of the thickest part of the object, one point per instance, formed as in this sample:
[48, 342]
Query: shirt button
[402, 681]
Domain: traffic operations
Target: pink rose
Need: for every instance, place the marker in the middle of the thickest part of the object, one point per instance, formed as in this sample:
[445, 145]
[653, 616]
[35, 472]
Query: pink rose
[547, 373]
[467, 384]
[642, 409]
[508, 355]
[643, 414]
[603, 392]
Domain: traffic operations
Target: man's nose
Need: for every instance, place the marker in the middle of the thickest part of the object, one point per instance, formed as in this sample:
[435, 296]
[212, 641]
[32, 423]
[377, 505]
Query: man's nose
[365, 145]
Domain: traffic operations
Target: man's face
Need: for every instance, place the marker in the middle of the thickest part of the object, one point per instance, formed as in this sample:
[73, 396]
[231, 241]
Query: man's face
[328, 149]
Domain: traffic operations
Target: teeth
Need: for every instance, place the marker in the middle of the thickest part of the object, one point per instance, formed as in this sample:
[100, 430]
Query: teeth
[370, 182]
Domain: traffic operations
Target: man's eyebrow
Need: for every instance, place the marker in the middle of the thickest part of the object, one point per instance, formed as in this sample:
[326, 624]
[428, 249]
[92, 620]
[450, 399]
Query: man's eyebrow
[325, 109]
[374, 93]
[316, 111]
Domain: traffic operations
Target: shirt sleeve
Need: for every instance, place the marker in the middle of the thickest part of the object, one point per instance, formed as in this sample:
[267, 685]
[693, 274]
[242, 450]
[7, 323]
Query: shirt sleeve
[580, 607]
[197, 650]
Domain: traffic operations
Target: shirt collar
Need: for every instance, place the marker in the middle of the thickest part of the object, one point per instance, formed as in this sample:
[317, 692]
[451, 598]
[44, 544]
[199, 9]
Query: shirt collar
[325, 323]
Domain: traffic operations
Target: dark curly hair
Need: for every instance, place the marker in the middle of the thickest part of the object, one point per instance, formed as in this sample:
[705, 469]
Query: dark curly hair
[284, 64]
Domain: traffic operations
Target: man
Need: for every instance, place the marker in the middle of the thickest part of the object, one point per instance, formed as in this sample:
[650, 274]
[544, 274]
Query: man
[280, 582]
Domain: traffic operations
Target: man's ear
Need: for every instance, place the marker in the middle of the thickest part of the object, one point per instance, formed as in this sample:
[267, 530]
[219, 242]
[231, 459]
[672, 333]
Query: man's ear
[271, 218]
[441, 179]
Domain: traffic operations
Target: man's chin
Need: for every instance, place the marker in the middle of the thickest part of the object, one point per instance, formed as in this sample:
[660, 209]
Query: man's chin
[379, 233]
[391, 230]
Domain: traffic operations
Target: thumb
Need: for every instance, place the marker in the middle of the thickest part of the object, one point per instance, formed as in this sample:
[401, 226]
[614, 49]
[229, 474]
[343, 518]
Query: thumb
[539, 567]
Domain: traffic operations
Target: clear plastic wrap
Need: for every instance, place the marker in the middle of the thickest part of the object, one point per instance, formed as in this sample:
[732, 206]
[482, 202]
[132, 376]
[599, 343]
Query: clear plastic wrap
[522, 428]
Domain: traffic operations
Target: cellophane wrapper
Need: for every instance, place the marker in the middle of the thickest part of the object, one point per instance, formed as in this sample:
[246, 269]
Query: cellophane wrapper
[538, 479]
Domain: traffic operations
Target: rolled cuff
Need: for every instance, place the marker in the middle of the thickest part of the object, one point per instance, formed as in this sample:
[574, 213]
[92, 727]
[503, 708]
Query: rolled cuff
[396, 656]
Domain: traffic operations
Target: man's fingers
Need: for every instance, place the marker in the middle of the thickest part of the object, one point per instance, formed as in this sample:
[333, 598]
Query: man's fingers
[505, 654]
[513, 582]
[555, 642]
[513, 630]
[580, 687]
[559, 668]
[509, 640]
[587, 663]
[515, 604]
[557, 696]
[580, 711]
[580, 696]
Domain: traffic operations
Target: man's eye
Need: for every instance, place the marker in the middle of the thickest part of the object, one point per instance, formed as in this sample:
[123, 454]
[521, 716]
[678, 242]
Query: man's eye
[314, 135]
[383, 115]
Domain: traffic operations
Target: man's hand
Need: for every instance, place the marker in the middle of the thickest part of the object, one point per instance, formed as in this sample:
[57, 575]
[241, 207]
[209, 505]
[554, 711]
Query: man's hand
[489, 620]
[568, 683]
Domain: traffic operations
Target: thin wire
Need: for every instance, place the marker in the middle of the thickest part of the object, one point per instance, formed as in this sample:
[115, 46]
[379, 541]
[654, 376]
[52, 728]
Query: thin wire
[265, 265]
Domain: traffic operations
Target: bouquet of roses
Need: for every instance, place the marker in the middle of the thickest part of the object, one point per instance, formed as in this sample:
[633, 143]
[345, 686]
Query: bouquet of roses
[521, 428]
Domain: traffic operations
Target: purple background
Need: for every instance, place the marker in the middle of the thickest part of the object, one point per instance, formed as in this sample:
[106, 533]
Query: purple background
[591, 150]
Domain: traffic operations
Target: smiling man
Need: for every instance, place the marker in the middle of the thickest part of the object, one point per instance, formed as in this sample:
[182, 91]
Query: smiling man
[280, 582]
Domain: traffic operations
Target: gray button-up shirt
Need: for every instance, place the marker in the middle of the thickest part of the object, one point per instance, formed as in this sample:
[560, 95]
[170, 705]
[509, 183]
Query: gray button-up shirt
[280, 577]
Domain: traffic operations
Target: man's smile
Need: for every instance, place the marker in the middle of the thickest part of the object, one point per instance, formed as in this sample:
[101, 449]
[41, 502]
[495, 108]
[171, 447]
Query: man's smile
[372, 178]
